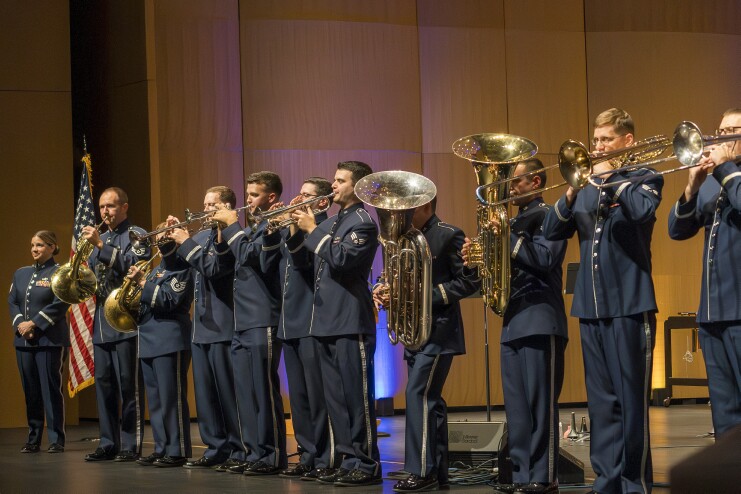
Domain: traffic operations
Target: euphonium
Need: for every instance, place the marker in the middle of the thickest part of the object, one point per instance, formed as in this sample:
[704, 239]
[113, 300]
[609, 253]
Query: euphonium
[74, 282]
[122, 304]
[494, 158]
[407, 263]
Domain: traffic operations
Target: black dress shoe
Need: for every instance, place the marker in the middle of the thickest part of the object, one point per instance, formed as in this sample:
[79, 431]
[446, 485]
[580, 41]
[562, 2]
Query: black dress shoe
[126, 455]
[202, 462]
[415, 483]
[295, 471]
[170, 461]
[316, 473]
[261, 468]
[358, 477]
[148, 461]
[505, 488]
[30, 448]
[230, 462]
[239, 467]
[55, 448]
[332, 474]
[100, 454]
[537, 488]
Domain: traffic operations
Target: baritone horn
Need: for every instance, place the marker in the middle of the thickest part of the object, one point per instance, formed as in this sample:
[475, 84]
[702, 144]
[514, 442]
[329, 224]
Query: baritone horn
[74, 282]
[407, 263]
[494, 158]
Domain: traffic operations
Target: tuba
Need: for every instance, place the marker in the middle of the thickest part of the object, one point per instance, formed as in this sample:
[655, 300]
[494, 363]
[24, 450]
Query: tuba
[494, 158]
[407, 263]
[74, 282]
[122, 304]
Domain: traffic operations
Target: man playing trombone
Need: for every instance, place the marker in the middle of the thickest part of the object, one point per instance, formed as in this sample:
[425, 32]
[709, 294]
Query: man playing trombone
[615, 302]
[712, 201]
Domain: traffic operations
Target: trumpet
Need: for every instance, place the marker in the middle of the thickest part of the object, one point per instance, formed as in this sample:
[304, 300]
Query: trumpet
[139, 240]
[576, 165]
[273, 216]
[74, 282]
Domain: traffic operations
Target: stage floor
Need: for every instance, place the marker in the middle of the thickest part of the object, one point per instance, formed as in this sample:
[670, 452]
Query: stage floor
[676, 433]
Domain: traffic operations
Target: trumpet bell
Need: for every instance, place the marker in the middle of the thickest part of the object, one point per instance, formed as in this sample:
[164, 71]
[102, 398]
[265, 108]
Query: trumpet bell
[575, 164]
[74, 288]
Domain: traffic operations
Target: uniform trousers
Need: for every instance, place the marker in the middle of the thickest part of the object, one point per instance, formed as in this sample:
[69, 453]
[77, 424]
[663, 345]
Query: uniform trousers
[426, 438]
[721, 348]
[618, 357]
[41, 377]
[166, 382]
[349, 388]
[117, 384]
[216, 401]
[532, 377]
[255, 359]
[308, 407]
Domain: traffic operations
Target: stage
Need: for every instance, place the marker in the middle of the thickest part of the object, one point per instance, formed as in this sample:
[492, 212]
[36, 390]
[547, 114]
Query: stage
[676, 433]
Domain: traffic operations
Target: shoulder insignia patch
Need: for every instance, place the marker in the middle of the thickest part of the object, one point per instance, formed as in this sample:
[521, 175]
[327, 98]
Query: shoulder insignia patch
[177, 286]
[356, 240]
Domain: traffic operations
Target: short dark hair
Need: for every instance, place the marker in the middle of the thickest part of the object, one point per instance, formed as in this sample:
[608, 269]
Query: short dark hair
[49, 238]
[123, 197]
[358, 169]
[323, 186]
[269, 180]
[226, 195]
[533, 164]
[433, 204]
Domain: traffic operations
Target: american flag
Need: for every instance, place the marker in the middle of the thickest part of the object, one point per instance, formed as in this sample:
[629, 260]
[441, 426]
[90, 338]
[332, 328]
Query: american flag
[81, 366]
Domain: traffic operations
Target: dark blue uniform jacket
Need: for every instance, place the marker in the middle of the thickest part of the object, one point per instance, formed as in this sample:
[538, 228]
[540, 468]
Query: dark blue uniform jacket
[614, 227]
[31, 299]
[297, 280]
[715, 208]
[344, 246]
[536, 302]
[110, 265]
[164, 321]
[213, 272]
[256, 293]
[451, 282]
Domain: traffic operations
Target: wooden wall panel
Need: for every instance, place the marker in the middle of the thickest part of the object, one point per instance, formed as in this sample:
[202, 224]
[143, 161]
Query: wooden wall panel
[36, 159]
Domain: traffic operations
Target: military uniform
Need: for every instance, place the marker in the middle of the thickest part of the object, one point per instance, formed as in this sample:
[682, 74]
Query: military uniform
[716, 208]
[40, 358]
[256, 350]
[300, 351]
[164, 351]
[212, 267]
[534, 336]
[615, 302]
[344, 324]
[115, 353]
[426, 439]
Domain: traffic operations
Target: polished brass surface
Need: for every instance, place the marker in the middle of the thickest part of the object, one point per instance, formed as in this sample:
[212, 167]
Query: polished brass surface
[121, 307]
[74, 282]
[407, 263]
[494, 158]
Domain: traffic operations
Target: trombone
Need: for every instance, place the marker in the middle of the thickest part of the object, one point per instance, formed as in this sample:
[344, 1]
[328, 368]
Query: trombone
[576, 165]
[689, 145]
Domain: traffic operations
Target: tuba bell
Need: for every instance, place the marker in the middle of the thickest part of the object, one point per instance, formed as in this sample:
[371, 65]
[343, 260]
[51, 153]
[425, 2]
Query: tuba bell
[407, 263]
[74, 282]
[494, 158]
[122, 304]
